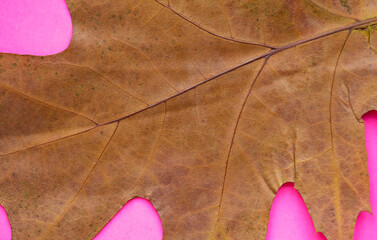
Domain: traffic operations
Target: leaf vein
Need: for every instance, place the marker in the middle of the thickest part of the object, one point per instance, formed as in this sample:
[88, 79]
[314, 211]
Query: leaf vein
[335, 164]
[209, 32]
[45, 103]
[82, 186]
[233, 137]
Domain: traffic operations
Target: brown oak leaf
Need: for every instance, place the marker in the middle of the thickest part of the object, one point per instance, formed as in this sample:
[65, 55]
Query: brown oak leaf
[202, 107]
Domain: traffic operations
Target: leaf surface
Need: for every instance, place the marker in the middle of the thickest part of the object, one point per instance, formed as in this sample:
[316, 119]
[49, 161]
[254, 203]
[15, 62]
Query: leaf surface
[203, 107]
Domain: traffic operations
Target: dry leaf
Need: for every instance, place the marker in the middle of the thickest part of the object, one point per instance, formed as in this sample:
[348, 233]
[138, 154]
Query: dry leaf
[203, 107]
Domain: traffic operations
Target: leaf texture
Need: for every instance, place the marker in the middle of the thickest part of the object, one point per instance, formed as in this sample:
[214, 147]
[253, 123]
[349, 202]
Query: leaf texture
[203, 107]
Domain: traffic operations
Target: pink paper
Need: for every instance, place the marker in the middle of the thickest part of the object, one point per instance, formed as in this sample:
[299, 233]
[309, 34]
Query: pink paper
[370, 119]
[44, 27]
[289, 217]
[34, 27]
[5, 230]
[365, 227]
[137, 220]
[319, 236]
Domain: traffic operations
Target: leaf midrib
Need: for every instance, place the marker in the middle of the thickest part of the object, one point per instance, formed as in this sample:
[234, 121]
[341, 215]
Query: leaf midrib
[265, 55]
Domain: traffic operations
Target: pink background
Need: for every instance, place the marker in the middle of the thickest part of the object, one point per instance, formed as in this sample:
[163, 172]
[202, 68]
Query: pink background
[44, 27]
[34, 27]
[137, 220]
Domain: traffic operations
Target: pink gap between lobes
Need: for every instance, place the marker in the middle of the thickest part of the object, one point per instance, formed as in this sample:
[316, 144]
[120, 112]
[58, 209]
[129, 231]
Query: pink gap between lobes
[370, 119]
[319, 236]
[365, 227]
[289, 217]
[137, 220]
[37, 27]
[5, 229]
